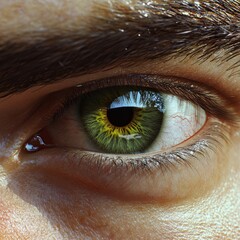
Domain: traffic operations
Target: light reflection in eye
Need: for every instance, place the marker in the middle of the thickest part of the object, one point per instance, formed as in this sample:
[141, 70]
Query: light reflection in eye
[35, 144]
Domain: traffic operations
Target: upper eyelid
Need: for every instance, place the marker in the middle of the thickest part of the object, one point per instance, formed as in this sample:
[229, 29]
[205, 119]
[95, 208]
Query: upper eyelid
[55, 103]
[201, 95]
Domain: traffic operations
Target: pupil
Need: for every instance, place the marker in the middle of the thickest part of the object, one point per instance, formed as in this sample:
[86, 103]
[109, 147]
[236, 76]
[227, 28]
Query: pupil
[121, 116]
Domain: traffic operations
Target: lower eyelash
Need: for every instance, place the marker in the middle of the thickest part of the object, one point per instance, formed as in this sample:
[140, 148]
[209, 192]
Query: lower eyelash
[122, 171]
[213, 139]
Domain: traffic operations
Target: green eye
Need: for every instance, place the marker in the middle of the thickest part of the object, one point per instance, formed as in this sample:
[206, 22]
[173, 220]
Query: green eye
[122, 120]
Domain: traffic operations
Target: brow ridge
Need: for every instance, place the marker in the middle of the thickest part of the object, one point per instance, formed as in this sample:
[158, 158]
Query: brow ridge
[126, 35]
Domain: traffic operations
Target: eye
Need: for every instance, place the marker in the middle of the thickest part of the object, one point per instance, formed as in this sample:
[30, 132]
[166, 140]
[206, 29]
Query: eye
[128, 134]
[126, 120]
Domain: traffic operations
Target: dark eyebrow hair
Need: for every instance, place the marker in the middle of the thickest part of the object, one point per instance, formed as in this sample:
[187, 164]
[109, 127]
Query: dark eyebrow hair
[124, 34]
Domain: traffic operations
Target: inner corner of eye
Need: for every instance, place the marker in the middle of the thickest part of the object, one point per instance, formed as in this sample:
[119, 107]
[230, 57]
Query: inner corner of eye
[123, 120]
[38, 141]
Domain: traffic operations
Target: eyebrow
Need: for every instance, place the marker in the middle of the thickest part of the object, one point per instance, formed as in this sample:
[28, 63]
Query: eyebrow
[122, 34]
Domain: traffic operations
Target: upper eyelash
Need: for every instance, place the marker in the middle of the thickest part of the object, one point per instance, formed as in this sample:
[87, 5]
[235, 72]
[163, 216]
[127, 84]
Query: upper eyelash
[208, 99]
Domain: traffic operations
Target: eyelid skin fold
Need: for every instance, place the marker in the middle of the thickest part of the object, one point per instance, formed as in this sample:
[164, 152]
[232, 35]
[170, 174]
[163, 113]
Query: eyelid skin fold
[207, 98]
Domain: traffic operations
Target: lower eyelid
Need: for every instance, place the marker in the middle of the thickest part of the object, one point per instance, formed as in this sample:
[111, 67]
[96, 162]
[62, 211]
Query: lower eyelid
[161, 177]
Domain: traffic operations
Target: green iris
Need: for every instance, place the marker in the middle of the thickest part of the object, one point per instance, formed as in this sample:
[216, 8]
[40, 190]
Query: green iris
[122, 120]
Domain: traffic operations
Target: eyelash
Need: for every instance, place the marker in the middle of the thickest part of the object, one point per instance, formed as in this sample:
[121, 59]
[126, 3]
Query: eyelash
[165, 161]
[208, 99]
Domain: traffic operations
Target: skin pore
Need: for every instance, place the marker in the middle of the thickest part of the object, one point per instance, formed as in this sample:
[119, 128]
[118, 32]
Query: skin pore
[47, 48]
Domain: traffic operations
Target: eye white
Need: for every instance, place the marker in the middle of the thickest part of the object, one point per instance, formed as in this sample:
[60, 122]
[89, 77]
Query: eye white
[182, 119]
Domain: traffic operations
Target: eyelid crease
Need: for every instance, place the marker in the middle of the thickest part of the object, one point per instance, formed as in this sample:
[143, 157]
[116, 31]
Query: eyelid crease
[207, 98]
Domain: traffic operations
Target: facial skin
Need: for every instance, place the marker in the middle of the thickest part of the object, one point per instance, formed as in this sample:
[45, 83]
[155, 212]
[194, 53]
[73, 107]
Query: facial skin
[42, 196]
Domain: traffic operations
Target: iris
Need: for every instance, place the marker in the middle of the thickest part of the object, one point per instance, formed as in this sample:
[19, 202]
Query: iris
[122, 120]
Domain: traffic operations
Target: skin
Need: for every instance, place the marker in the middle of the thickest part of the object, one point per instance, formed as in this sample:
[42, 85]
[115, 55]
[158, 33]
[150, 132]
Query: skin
[39, 202]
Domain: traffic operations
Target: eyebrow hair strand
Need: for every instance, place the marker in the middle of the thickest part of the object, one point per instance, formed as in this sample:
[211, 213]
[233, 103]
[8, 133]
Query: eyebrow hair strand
[126, 34]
